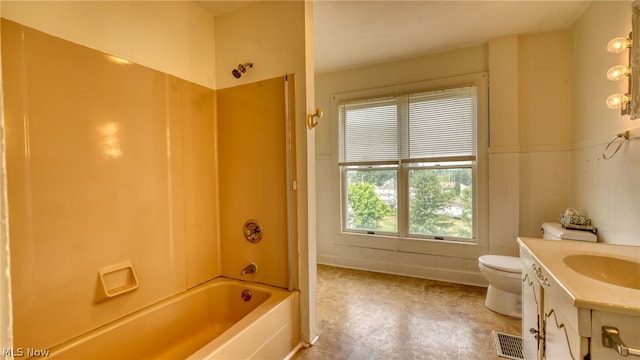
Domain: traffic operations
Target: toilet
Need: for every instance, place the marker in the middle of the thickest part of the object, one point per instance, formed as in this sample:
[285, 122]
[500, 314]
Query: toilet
[504, 273]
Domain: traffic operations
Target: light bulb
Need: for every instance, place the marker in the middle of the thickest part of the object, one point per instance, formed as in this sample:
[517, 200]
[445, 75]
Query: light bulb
[618, 72]
[616, 101]
[618, 44]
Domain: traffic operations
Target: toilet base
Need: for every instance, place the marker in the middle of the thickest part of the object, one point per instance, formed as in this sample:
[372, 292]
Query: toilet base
[504, 302]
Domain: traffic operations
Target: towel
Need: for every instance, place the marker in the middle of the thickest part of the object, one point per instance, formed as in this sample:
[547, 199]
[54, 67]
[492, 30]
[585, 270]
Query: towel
[577, 222]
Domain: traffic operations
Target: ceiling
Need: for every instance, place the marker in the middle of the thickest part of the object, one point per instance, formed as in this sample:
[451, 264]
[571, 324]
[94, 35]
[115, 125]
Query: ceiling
[354, 33]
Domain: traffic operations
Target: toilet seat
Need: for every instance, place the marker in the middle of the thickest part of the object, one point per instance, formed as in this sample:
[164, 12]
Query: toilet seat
[510, 264]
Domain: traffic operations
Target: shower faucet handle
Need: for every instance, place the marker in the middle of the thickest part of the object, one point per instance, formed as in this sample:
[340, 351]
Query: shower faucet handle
[252, 231]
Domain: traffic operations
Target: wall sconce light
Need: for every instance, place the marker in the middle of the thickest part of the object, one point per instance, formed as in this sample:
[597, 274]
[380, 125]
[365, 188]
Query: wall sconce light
[619, 72]
[619, 44]
[618, 101]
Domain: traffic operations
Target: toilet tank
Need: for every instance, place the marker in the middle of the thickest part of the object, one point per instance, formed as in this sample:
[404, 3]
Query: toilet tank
[555, 231]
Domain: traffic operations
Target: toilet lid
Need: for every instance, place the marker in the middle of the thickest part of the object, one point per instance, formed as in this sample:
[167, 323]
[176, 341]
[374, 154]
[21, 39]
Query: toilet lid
[510, 264]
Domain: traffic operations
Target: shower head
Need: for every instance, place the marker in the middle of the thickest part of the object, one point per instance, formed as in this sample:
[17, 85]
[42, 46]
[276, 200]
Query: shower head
[242, 68]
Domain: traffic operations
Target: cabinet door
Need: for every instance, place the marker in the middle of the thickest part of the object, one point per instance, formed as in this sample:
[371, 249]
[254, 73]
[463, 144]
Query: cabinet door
[561, 341]
[531, 310]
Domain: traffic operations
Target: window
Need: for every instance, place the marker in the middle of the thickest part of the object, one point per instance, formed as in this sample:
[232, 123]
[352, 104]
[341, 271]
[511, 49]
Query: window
[409, 164]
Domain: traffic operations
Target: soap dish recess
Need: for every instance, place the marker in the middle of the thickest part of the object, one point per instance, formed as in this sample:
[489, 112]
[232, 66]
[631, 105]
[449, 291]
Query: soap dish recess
[118, 279]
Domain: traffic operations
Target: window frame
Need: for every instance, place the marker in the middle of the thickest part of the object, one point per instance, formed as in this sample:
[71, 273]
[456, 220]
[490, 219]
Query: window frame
[479, 166]
[344, 193]
[461, 165]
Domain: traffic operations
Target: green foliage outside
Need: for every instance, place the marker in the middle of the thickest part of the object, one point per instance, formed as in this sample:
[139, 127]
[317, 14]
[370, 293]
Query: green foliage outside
[467, 212]
[430, 203]
[367, 210]
[375, 177]
[440, 202]
[427, 203]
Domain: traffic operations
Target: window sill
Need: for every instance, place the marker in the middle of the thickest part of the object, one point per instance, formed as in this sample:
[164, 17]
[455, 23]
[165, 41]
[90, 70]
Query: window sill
[395, 243]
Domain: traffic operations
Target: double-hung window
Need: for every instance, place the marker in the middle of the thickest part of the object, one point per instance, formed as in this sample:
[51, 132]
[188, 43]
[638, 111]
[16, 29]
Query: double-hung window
[409, 164]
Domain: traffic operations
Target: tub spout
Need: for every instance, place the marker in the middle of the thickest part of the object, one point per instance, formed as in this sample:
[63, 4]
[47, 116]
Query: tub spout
[249, 269]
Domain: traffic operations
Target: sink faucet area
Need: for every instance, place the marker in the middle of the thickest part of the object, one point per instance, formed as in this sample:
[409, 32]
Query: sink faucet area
[607, 269]
[595, 276]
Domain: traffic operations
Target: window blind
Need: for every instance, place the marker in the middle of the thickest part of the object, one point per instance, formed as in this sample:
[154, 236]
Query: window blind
[369, 131]
[442, 123]
[422, 126]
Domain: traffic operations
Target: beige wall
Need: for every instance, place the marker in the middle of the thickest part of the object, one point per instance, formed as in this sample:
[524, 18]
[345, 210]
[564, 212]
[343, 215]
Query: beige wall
[503, 70]
[530, 134]
[524, 117]
[606, 190]
[176, 37]
[544, 62]
[593, 122]
[270, 34]
[544, 113]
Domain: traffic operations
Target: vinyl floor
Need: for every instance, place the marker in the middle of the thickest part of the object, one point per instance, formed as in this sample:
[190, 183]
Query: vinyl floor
[365, 315]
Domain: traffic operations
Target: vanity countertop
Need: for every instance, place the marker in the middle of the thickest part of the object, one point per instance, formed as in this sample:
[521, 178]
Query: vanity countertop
[584, 291]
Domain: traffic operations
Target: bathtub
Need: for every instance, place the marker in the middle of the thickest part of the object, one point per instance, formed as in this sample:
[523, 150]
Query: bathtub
[215, 320]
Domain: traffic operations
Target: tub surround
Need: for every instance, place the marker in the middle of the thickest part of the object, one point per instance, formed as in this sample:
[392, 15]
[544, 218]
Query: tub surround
[107, 161]
[110, 162]
[274, 35]
[254, 153]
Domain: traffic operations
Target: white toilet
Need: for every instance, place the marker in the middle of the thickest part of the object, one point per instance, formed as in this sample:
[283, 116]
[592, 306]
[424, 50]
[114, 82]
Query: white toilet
[504, 273]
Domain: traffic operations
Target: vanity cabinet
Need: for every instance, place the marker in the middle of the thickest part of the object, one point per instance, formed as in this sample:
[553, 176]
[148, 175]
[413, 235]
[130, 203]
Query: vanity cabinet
[564, 310]
[531, 310]
[549, 321]
[562, 341]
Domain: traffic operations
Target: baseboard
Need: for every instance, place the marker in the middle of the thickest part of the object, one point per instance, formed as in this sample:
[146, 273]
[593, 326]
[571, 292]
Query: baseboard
[326, 259]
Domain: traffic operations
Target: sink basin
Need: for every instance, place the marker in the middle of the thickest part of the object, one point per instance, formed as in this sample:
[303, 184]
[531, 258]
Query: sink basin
[611, 270]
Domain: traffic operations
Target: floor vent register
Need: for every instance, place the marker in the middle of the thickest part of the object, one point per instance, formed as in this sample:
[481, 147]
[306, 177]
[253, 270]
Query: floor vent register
[508, 346]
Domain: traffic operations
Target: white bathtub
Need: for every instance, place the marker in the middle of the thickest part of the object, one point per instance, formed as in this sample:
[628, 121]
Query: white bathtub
[210, 321]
